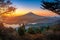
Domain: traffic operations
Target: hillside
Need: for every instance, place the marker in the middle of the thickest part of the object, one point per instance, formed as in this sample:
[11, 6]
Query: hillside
[30, 18]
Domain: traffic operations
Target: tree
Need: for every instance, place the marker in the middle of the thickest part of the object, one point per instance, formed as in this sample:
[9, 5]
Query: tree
[9, 34]
[38, 30]
[6, 7]
[31, 31]
[21, 30]
[53, 6]
[47, 28]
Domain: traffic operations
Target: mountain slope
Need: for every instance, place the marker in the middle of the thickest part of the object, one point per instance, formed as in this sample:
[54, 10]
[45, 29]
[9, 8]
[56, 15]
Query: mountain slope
[30, 18]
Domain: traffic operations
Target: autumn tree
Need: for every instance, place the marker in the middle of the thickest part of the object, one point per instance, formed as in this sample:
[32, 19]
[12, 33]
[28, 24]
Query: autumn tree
[53, 6]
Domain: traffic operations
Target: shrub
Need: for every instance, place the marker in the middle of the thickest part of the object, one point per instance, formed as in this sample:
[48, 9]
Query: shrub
[21, 30]
[31, 31]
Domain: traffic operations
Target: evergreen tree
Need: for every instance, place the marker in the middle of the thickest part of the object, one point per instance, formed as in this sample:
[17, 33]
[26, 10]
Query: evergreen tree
[5, 8]
[53, 6]
[21, 30]
[31, 31]
[38, 30]
[47, 28]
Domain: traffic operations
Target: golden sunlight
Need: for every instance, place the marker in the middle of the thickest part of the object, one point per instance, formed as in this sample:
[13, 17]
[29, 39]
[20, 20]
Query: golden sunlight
[19, 12]
[40, 12]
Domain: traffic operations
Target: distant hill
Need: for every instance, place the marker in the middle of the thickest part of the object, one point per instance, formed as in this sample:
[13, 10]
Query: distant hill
[30, 18]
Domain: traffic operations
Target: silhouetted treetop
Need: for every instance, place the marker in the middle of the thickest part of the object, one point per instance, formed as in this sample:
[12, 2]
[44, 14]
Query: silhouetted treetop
[6, 7]
[53, 6]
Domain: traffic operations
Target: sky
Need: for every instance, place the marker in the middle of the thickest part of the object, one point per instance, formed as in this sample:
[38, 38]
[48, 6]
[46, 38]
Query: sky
[30, 4]
[25, 6]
